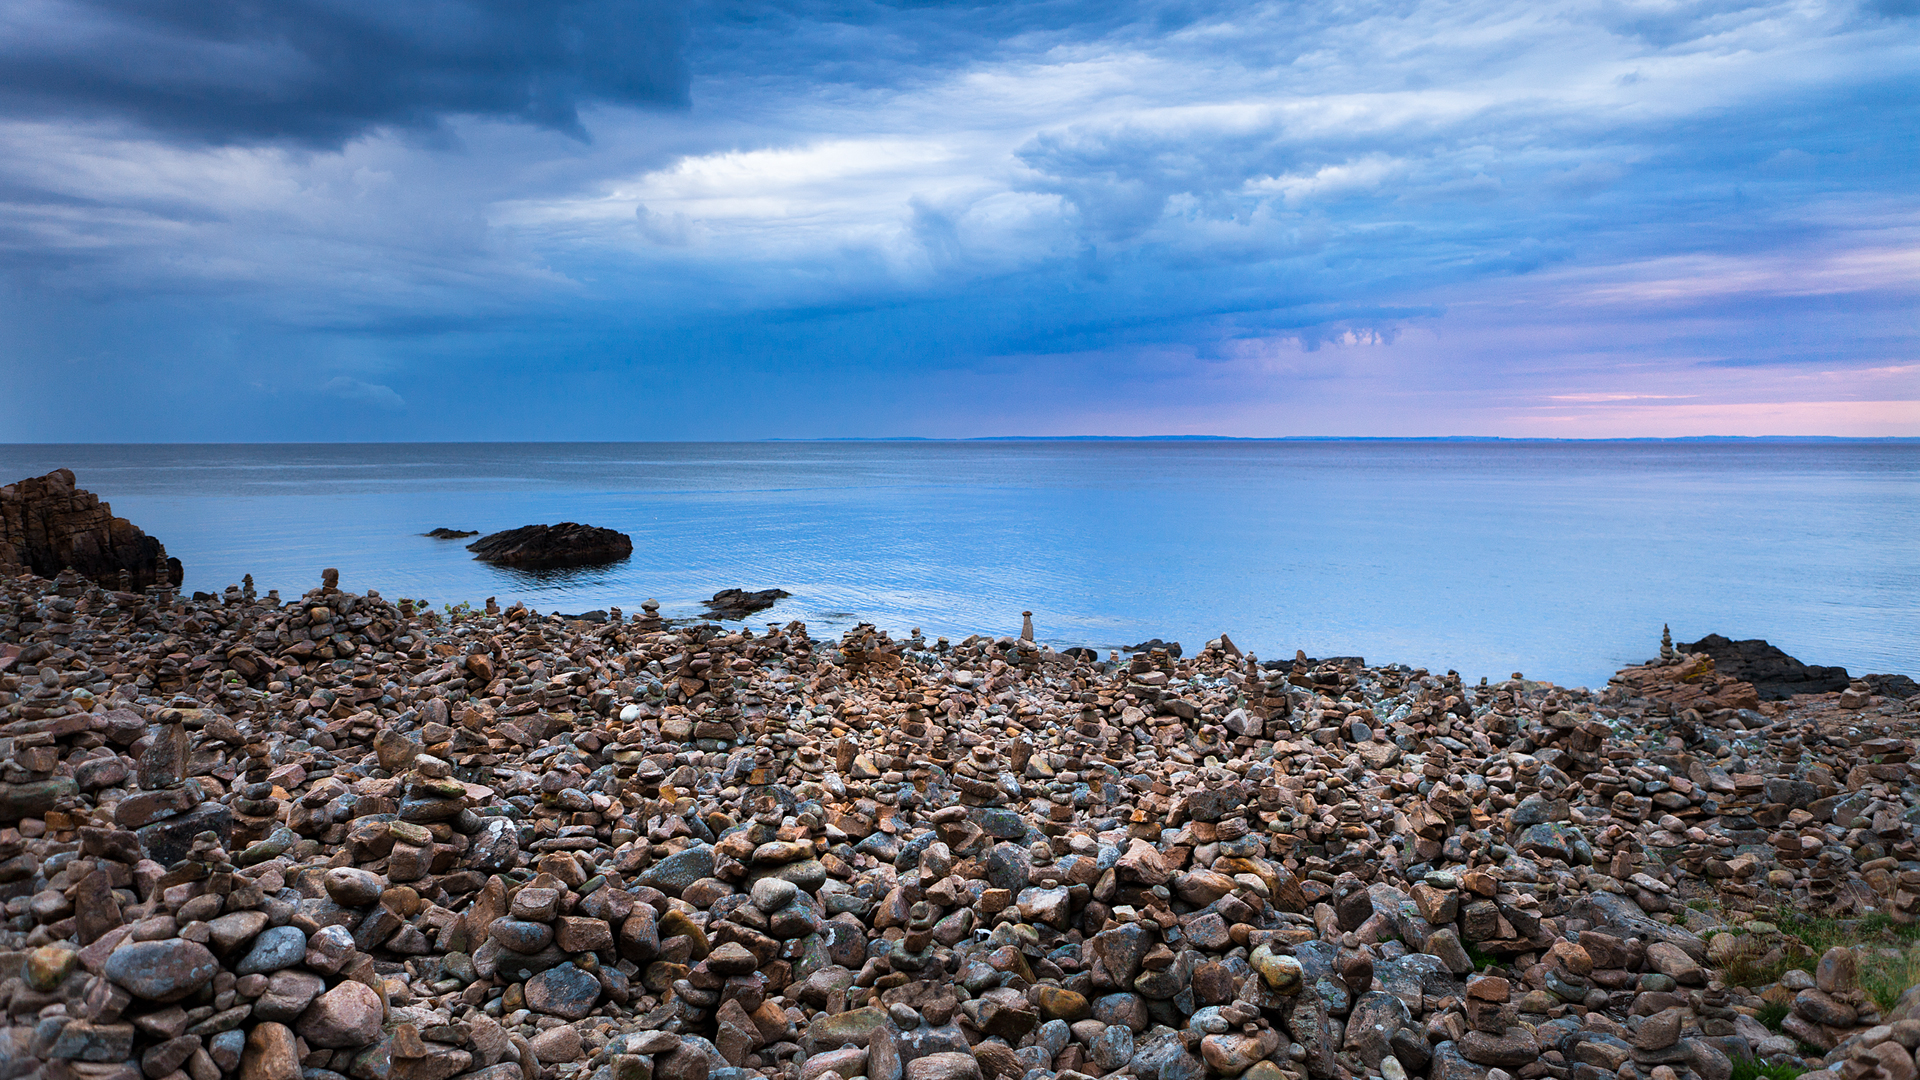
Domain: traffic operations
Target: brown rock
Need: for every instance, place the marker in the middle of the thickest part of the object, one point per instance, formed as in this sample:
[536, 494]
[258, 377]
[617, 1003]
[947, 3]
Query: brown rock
[270, 1054]
[557, 1045]
[344, 1017]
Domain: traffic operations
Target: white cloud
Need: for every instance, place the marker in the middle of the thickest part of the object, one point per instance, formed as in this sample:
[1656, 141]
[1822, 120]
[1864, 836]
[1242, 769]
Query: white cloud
[363, 393]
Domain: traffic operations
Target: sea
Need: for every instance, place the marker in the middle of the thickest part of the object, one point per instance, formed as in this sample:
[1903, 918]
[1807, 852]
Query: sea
[1558, 560]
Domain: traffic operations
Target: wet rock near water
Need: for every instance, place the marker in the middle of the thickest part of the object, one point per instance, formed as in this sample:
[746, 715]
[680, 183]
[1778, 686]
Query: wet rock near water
[339, 838]
[734, 605]
[553, 546]
[1775, 675]
[444, 533]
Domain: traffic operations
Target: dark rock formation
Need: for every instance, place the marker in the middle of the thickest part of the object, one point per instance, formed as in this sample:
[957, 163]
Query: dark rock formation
[47, 524]
[1172, 647]
[1773, 673]
[452, 534]
[737, 604]
[565, 544]
[1895, 686]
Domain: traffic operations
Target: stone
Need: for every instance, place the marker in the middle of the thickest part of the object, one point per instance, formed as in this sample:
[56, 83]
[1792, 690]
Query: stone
[577, 934]
[735, 605]
[772, 894]
[236, 928]
[345, 1017]
[48, 966]
[1674, 962]
[564, 991]
[557, 1045]
[83, 1040]
[1376, 1016]
[947, 1066]
[1822, 1008]
[1511, 1050]
[352, 887]
[287, 995]
[674, 873]
[1837, 971]
[1659, 1031]
[1775, 675]
[161, 971]
[1280, 972]
[565, 544]
[1231, 1054]
[1445, 944]
[848, 1062]
[270, 1054]
[276, 947]
[520, 935]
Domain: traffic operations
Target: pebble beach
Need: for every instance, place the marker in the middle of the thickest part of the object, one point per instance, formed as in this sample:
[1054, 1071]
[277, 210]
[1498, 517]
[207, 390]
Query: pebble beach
[338, 836]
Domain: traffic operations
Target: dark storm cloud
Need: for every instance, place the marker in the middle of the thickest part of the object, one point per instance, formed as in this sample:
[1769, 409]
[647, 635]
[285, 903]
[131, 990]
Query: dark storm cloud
[321, 72]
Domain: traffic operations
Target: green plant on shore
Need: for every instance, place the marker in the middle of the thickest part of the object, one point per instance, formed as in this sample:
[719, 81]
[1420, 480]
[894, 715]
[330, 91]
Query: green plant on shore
[1757, 971]
[1747, 1068]
[1885, 978]
[1481, 960]
[1881, 923]
[1817, 934]
[1773, 1014]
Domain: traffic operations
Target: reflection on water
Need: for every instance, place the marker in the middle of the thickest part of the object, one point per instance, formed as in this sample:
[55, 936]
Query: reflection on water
[1561, 560]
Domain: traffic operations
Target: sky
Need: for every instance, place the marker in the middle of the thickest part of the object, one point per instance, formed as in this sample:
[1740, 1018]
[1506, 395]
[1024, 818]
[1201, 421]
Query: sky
[292, 220]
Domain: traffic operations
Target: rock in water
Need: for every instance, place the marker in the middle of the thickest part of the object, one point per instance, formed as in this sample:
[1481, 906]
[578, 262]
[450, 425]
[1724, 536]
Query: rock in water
[734, 605]
[565, 544]
[444, 533]
[47, 524]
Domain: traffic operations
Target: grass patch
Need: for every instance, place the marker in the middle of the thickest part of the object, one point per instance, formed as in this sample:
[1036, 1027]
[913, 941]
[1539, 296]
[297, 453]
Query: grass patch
[1881, 923]
[1885, 978]
[1772, 1014]
[1481, 961]
[1818, 935]
[1747, 1068]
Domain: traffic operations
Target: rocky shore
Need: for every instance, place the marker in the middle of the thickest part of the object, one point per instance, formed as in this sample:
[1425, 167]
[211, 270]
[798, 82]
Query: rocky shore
[341, 837]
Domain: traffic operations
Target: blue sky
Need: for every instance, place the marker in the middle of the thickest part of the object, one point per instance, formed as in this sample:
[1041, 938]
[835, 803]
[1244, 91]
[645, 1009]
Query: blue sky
[338, 219]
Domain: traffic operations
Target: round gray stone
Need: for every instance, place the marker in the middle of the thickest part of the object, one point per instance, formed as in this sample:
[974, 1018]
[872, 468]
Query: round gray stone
[277, 947]
[166, 970]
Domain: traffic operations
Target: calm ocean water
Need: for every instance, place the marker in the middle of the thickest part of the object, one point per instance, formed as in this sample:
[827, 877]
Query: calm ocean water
[1560, 560]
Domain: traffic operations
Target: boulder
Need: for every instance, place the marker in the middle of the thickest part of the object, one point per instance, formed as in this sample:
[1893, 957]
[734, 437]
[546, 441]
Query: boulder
[565, 544]
[47, 525]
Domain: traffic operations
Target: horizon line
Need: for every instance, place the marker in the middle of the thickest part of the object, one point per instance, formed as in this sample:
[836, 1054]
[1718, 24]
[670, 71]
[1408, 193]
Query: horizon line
[1031, 438]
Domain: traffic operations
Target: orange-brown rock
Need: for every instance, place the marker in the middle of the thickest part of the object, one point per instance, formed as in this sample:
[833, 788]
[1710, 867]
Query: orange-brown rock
[1690, 682]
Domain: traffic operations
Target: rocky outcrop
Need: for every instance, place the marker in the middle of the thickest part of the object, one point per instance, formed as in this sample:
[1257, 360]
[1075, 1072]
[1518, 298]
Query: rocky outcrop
[565, 544]
[1690, 681]
[734, 605]
[47, 525]
[1774, 675]
[444, 533]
